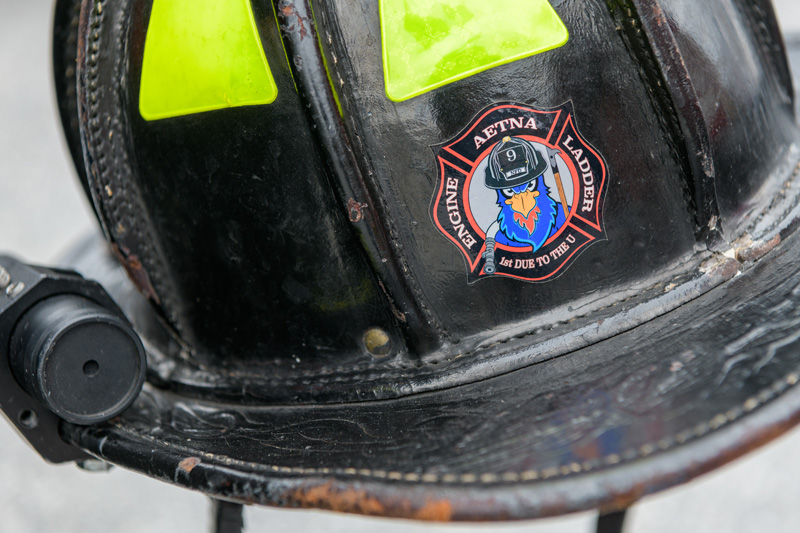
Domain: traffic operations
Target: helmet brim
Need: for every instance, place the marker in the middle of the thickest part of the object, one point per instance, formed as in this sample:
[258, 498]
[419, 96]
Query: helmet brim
[601, 427]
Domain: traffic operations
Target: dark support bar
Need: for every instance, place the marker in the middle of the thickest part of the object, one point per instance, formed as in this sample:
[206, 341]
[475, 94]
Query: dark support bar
[611, 522]
[227, 517]
[298, 29]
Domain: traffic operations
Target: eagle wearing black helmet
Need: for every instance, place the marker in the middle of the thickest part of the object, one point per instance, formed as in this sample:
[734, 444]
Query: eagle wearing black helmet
[528, 214]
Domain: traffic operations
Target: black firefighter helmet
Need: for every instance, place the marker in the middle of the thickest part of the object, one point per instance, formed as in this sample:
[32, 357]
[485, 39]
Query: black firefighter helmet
[512, 162]
[297, 254]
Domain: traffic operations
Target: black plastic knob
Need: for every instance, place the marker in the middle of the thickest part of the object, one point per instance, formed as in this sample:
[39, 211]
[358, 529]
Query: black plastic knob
[81, 360]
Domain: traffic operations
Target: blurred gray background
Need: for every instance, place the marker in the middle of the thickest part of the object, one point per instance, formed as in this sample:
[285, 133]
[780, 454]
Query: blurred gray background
[43, 211]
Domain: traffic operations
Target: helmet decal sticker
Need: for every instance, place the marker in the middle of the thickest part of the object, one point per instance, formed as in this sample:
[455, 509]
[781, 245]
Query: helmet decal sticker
[520, 192]
[201, 55]
[430, 43]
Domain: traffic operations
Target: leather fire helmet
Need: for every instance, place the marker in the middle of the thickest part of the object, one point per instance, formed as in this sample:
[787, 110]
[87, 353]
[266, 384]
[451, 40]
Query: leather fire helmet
[306, 203]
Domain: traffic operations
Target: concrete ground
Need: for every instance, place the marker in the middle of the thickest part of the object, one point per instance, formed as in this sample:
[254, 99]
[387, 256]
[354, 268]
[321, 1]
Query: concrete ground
[42, 211]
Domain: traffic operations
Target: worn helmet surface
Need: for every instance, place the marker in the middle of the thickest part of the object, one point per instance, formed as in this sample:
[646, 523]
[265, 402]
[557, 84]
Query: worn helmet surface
[342, 310]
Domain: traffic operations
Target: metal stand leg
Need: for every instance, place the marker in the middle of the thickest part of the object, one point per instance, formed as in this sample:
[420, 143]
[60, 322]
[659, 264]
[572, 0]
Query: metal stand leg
[227, 517]
[611, 522]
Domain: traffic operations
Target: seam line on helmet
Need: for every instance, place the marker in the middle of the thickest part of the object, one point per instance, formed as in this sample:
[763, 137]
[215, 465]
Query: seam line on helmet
[773, 204]
[489, 478]
[641, 53]
[406, 272]
[124, 203]
[311, 377]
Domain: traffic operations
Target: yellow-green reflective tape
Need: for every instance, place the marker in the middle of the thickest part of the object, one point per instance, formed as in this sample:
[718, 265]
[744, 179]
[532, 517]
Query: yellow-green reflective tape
[430, 43]
[201, 55]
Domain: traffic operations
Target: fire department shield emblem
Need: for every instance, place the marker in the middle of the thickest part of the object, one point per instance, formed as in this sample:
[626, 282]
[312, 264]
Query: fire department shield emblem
[520, 192]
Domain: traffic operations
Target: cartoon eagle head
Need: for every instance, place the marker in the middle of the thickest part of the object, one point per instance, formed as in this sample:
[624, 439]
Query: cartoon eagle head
[528, 215]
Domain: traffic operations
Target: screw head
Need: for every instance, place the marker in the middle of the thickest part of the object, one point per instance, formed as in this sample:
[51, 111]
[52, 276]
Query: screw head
[377, 342]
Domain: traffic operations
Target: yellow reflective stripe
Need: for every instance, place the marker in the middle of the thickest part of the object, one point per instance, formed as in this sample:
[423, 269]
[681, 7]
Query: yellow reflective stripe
[430, 43]
[201, 55]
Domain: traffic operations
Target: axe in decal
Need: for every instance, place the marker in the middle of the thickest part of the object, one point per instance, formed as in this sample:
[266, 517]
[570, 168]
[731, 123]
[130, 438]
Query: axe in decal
[552, 152]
